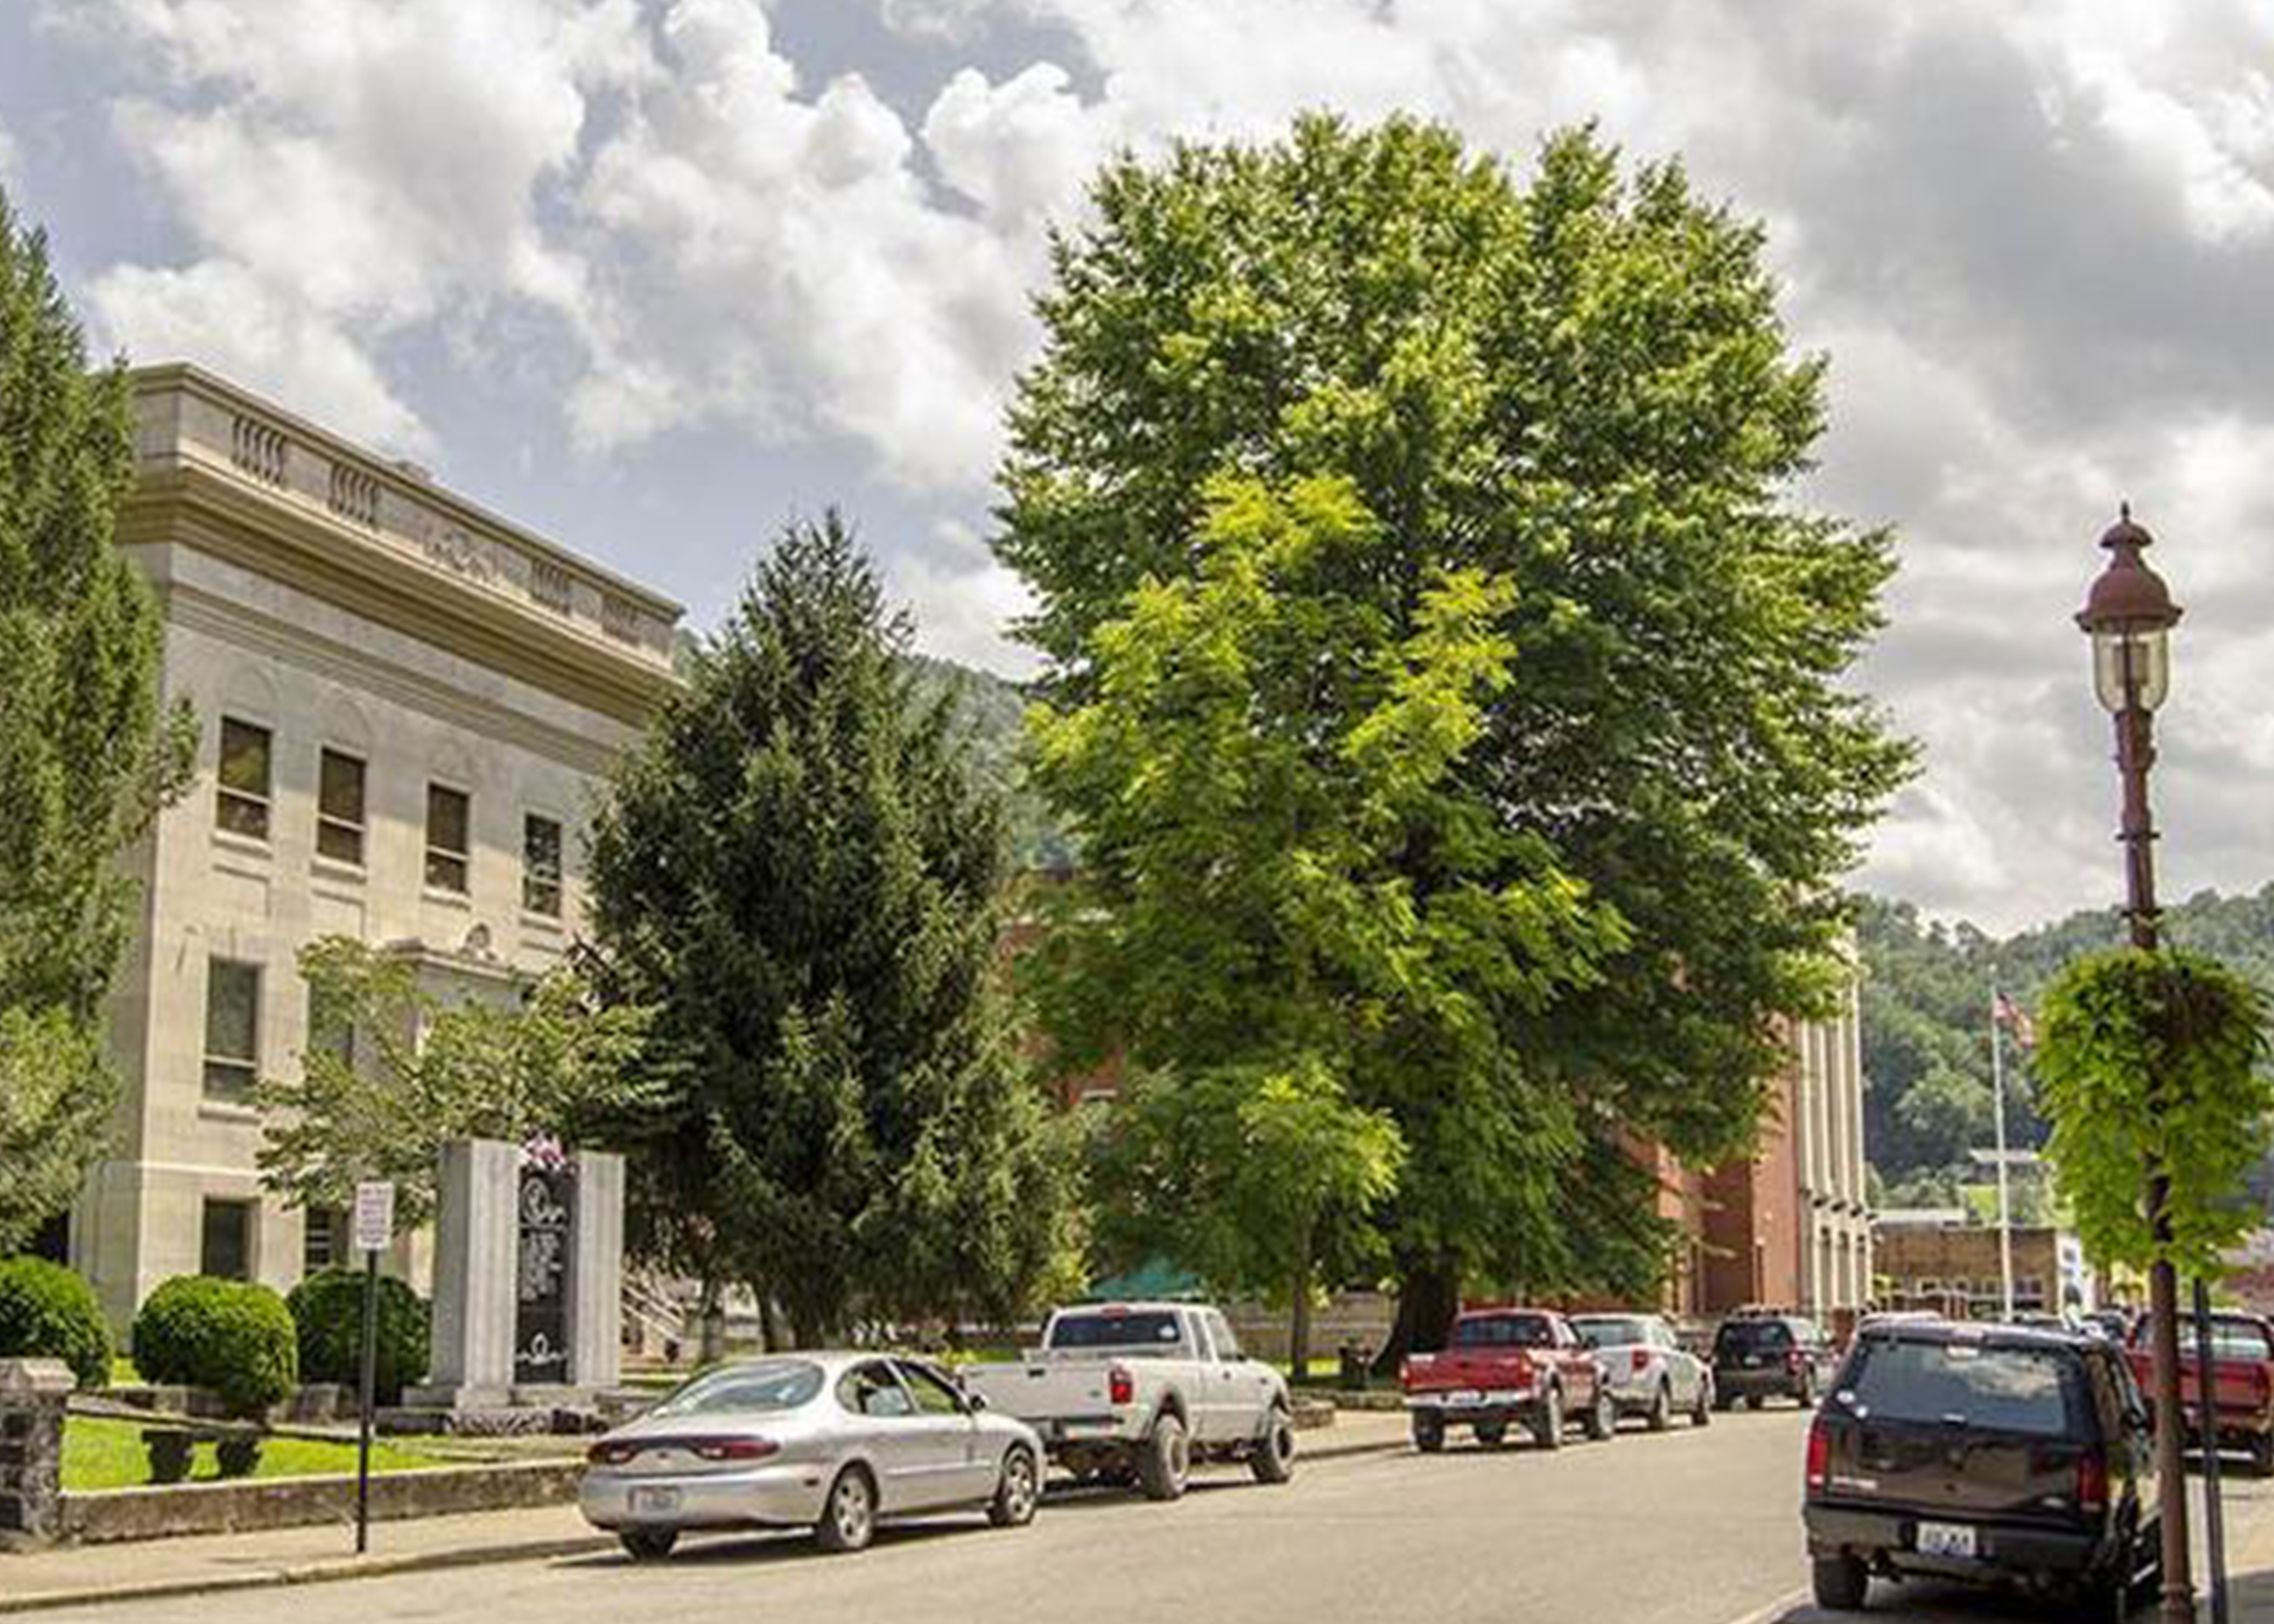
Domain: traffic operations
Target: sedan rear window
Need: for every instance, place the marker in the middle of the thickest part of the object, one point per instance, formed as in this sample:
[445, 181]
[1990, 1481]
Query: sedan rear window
[2037, 1391]
[1504, 1331]
[746, 1389]
[1149, 1329]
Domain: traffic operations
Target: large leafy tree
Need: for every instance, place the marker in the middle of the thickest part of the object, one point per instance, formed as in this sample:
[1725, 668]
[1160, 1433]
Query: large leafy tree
[394, 1072]
[798, 871]
[1577, 386]
[87, 754]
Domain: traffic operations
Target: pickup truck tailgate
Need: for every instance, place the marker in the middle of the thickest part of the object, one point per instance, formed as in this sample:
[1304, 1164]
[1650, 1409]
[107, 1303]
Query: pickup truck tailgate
[1042, 1391]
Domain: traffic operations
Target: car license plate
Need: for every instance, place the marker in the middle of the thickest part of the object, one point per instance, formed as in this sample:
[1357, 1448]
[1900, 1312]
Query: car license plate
[654, 1502]
[1946, 1539]
[1752, 1359]
[1465, 1396]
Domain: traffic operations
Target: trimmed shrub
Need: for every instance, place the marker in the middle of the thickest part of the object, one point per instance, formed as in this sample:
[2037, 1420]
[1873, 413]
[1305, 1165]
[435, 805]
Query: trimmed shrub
[233, 1338]
[327, 1308]
[48, 1312]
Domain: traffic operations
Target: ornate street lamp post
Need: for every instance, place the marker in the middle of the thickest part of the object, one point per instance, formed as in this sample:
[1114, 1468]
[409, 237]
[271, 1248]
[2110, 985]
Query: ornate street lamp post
[2129, 613]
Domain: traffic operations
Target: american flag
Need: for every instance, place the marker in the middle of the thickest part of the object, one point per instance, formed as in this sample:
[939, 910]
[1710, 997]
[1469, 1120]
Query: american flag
[2011, 1016]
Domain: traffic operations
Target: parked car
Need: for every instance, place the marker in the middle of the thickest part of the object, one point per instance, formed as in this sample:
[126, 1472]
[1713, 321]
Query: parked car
[1760, 1356]
[1990, 1454]
[1137, 1391]
[830, 1441]
[1525, 1366]
[2242, 1382]
[1650, 1372]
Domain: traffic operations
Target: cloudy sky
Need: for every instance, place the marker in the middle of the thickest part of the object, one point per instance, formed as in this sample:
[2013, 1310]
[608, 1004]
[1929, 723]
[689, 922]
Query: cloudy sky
[651, 274]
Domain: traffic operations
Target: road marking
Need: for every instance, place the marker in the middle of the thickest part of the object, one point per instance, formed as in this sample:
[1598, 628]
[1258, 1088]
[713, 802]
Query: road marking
[1775, 1610]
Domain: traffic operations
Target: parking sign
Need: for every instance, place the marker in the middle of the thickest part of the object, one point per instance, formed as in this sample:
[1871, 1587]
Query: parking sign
[374, 1217]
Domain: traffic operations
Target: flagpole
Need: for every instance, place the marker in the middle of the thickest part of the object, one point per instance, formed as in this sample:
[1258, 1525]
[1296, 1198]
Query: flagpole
[2005, 1202]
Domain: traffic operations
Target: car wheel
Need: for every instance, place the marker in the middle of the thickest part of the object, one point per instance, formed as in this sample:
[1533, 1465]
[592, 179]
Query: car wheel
[1167, 1461]
[1602, 1420]
[2261, 1455]
[848, 1516]
[1492, 1434]
[1662, 1409]
[1754, 1400]
[648, 1544]
[1804, 1395]
[1547, 1429]
[1701, 1413]
[1428, 1432]
[1272, 1459]
[1017, 1492]
[1841, 1583]
[1724, 1401]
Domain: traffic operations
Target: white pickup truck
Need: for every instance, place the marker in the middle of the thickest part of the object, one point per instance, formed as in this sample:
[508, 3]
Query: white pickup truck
[1124, 1392]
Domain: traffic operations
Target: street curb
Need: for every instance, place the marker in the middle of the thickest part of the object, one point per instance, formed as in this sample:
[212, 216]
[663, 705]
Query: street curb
[308, 1573]
[477, 1556]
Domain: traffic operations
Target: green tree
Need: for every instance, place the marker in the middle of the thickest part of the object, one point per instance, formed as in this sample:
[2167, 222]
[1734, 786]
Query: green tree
[1287, 884]
[393, 1072]
[1581, 386]
[88, 755]
[798, 870]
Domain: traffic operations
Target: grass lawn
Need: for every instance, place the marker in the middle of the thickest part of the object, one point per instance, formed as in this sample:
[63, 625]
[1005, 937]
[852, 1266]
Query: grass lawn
[102, 1453]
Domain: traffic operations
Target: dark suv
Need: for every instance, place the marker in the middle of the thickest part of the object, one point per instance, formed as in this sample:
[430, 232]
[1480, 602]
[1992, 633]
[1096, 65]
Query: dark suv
[1987, 1455]
[1760, 1356]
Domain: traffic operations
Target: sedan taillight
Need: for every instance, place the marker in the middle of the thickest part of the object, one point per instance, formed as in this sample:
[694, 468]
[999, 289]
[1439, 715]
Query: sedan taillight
[1121, 1387]
[1641, 1360]
[1819, 1457]
[610, 1455]
[735, 1449]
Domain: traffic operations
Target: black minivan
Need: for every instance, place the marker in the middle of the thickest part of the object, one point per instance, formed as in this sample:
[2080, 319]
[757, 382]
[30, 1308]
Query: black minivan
[1759, 1357]
[1985, 1453]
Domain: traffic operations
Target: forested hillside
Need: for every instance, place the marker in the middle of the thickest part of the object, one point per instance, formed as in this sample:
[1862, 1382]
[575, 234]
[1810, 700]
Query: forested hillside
[994, 710]
[1926, 1042]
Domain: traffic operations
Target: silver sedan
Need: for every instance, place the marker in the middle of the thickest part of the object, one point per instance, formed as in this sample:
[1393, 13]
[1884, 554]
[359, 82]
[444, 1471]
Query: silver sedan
[830, 1441]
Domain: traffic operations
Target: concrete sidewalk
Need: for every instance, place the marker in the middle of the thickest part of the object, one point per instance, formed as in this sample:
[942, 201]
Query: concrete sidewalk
[151, 1569]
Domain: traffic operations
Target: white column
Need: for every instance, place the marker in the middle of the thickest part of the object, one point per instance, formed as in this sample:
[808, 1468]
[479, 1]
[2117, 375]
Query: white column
[596, 1272]
[475, 1226]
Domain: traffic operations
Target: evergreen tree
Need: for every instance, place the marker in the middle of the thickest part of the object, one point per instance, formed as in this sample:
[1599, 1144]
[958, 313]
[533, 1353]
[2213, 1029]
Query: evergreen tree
[798, 872]
[1580, 387]
[86, 757]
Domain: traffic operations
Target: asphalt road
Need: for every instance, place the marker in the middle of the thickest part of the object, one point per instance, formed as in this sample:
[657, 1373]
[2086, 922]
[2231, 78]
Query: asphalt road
[1688, 1527]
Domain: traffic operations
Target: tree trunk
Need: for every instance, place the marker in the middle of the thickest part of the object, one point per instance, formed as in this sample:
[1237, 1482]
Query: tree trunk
[1298, 1323]
[711, 1346]
[1427, 1299]
[769, 1326]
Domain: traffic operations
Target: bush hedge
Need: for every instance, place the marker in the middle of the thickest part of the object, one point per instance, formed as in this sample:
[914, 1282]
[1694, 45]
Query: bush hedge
[227, 1336]
[327, 1308]
[49, 1313]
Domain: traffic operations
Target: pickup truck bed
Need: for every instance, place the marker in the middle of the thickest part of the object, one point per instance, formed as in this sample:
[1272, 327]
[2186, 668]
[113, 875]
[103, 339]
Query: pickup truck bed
[2241, 1382]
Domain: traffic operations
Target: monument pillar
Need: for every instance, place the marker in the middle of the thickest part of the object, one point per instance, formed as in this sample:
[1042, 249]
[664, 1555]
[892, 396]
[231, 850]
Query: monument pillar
[477, 1229]
[596, 1271]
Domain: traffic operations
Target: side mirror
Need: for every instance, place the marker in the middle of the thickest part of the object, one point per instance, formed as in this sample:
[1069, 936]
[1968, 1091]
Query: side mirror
[976, 1402]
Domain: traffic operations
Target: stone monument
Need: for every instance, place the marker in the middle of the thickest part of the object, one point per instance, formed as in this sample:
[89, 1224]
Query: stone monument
[529, 1245]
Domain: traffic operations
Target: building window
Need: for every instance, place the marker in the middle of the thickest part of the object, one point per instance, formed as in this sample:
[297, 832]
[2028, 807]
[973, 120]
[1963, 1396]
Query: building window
[449, 827]
[339, 807]
[232, 1028]
[242, 807]
[322, 1239]
[225, 1244]
[540, 865]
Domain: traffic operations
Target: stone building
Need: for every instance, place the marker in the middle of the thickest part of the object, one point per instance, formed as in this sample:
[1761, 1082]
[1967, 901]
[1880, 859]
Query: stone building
[1945, 1262]
[404, 703]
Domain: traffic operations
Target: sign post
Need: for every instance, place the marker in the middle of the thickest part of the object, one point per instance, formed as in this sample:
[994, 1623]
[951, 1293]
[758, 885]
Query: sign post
[374, 1227]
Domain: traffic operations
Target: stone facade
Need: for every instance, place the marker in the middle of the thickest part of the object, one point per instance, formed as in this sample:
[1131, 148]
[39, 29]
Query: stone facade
[404, 703]
[33, 1394]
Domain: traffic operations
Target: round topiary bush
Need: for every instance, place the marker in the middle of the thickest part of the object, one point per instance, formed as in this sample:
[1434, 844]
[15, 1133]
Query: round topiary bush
[227, 1336]
[48, 1312]
[327, 1307]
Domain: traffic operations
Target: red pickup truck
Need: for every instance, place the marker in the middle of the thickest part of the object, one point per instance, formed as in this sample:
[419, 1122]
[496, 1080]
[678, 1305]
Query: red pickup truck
[2241, 1385]
[1525, 1366]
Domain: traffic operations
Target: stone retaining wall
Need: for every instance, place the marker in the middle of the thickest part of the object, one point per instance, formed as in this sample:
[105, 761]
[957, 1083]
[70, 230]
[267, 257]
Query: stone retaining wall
[33, 1395]
[293, 1502]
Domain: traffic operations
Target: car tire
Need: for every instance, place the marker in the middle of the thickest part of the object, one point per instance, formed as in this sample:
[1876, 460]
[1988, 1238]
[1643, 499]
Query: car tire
[1804, 1395]
[849, 1515]
[1701, 1414]
[1547, 1427]
[1724, 1401]
[1661, 1408]
[2261, 1455]
[647, 1545]
[1272, 1459]
[1428, 1432]
[1840, 1583]
[1601, 1421]
[1017, 1492]
[1754, 1400]
[1491, 1434]
[1166, 1460]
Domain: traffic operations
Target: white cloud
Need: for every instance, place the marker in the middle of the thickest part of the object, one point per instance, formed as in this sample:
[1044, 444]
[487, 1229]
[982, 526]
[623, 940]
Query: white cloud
[2037, 241]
